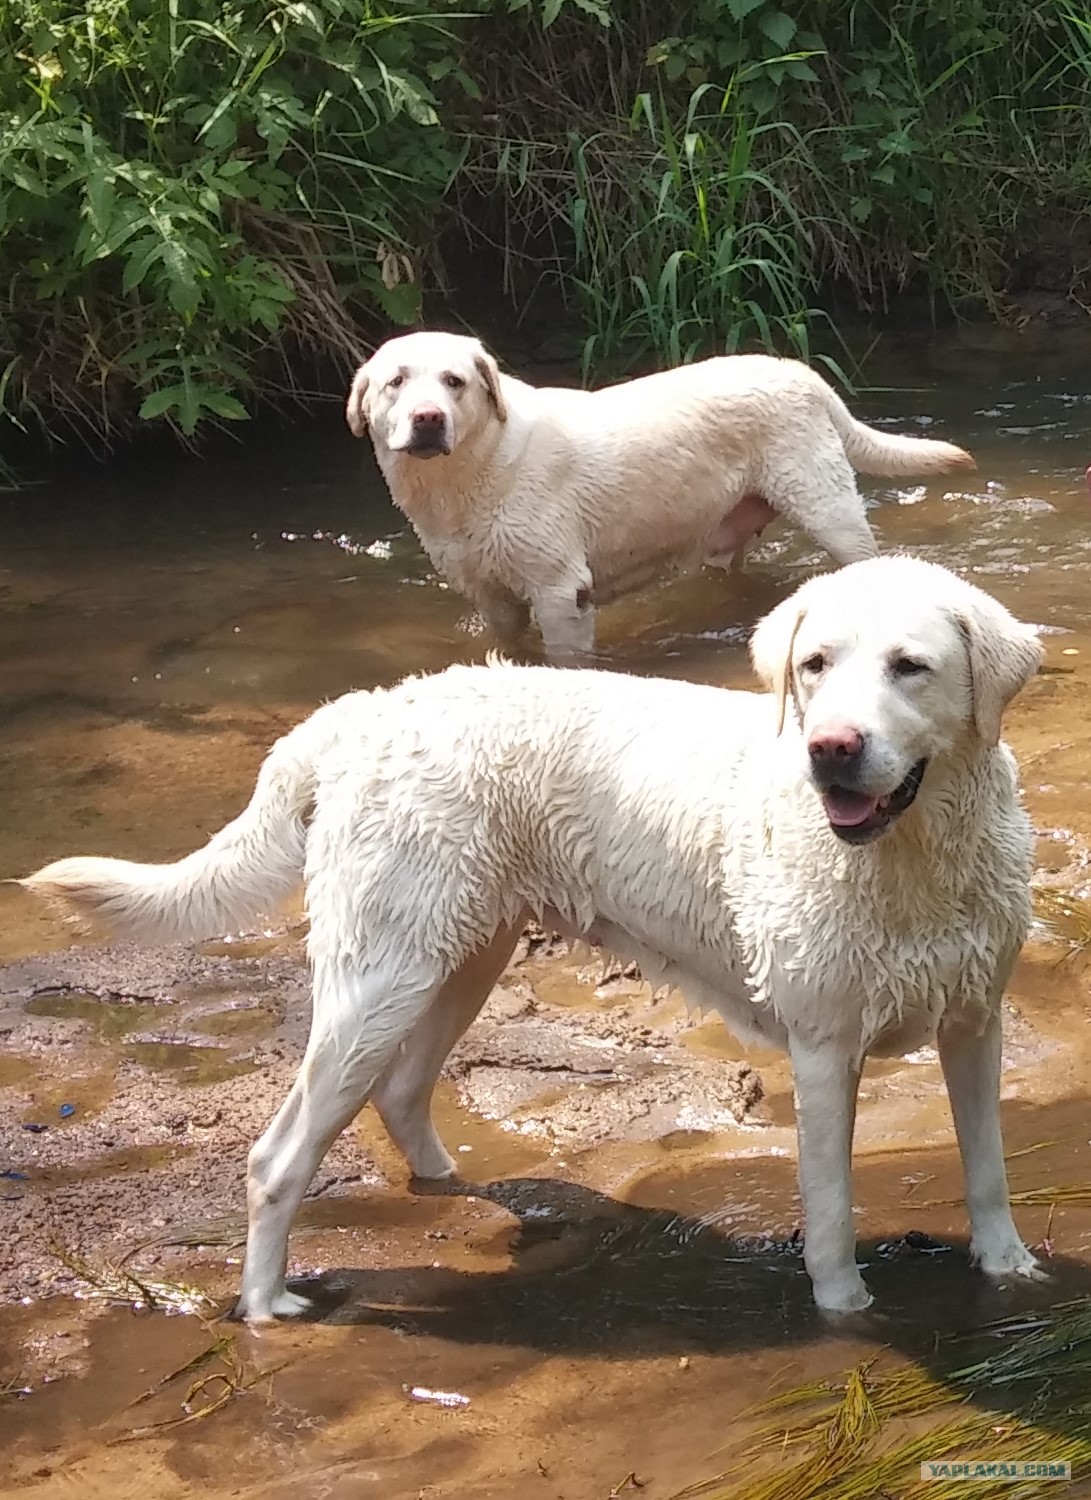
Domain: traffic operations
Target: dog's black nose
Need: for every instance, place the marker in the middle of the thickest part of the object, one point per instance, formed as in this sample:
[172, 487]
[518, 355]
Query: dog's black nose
[835, 750]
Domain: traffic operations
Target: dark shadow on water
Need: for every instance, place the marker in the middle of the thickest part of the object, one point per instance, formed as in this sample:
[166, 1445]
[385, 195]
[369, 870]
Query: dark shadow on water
[592, 1276]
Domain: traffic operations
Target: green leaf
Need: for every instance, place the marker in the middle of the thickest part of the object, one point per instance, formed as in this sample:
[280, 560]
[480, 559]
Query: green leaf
[219, 130]
[99, 190]
[22, 176]
[142, 256]
[401, 303]
[600, 12]
[779, 28]
[224, 405]
[183, 292]
[161, 401]
[740, 9]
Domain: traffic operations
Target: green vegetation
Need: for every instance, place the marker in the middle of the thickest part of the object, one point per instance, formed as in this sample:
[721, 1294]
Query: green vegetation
[207, 201]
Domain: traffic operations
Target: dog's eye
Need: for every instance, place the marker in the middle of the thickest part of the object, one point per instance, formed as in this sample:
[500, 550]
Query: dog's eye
[813, 664]
[908, 666]
[395, 381]
[453, 382]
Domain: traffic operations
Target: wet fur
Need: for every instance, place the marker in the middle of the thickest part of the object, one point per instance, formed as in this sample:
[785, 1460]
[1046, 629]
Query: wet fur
[676, 824]
[552, 501]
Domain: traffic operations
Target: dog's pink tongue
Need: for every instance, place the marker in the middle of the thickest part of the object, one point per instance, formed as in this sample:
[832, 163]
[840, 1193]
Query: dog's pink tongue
[848, 809]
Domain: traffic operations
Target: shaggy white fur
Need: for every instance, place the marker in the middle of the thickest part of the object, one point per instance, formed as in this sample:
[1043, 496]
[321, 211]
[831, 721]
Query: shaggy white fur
[550, 501]
[839, 867]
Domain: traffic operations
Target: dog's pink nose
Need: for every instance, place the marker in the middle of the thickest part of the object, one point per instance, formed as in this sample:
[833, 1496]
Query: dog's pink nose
[837, 742]
[427, 416]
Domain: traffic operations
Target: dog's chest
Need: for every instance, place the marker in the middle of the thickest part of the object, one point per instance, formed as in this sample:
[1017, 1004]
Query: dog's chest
[880, 965]
[477, 557]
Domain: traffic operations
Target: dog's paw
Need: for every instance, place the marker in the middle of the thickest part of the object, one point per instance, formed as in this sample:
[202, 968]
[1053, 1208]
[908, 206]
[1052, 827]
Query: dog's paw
[847, 1297]
[260, 1312]
[1013, 1259]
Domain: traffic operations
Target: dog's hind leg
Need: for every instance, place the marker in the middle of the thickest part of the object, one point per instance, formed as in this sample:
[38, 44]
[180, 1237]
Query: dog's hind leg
[817, 493]
[847, 537]
[361, 1017]
[403, 1096]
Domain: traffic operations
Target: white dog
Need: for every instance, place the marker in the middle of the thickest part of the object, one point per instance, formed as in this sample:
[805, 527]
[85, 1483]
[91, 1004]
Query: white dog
[839, 868]
[550, 501]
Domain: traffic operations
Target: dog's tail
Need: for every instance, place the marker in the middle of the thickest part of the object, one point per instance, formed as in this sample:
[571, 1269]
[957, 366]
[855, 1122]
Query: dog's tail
[247, 868]
[885, 454]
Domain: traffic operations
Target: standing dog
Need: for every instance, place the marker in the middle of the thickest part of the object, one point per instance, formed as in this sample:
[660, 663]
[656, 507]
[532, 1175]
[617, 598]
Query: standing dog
[839, 867]
[550, 501]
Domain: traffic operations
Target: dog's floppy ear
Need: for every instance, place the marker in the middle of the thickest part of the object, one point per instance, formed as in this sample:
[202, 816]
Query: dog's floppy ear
[356, 406]
[771, 648]
[489, 371]
[1004, 656]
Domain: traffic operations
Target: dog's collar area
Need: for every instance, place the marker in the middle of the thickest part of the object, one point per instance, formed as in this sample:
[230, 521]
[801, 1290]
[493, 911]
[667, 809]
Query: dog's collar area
[857, 819]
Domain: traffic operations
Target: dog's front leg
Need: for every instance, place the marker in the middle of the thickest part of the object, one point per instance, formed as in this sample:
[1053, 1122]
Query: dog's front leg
[827, 1078]
[566, 617]
[970, 1056]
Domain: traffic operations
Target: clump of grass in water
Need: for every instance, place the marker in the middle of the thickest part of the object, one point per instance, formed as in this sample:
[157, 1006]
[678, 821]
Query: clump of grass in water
[1036, 1390]
[209, 1393]
[115, 1284]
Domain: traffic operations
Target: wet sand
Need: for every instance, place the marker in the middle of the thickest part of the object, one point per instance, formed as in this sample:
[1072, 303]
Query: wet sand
[618, 1274]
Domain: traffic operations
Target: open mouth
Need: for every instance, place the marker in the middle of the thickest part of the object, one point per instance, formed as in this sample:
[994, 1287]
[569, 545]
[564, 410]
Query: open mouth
[857, 817]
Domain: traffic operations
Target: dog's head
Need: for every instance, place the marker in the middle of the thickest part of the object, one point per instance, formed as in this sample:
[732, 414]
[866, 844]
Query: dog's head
[889, 664]
[424, 393]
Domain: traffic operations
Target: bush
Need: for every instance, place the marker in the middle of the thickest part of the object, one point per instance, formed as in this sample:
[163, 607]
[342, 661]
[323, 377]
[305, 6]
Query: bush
[867, 144]
[196, 193]
[192, 190]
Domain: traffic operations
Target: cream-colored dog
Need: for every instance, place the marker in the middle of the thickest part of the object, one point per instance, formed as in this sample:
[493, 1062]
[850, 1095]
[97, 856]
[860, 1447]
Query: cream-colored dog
[551, 501]
[839, 867]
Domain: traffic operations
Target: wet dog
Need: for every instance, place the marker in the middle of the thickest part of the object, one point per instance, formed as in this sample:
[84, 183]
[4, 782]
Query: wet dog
[548, 502]
[839, 866]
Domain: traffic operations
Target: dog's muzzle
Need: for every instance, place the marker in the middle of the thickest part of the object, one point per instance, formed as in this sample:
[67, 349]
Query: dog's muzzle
[428, 435]
[857, 817]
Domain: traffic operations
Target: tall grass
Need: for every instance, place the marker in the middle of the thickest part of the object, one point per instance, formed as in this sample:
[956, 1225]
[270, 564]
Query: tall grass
[670, 257]
[769, 159]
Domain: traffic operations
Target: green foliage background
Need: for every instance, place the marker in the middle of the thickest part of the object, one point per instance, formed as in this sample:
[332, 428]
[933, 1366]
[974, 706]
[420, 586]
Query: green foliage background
[195, 193]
